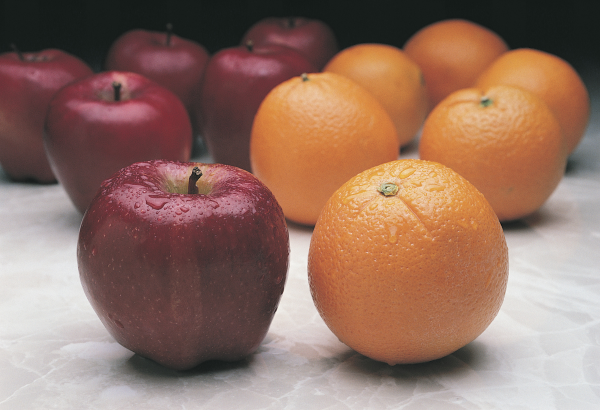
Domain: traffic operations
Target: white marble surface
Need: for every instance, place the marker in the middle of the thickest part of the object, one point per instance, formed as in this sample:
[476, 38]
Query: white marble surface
[541, 352]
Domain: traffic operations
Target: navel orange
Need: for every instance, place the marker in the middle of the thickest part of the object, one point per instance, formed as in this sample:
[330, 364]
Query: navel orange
[407, 262]
[314, 132]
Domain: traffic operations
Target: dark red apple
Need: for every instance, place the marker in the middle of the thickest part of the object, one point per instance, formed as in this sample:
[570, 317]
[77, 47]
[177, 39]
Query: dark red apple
[27, 83]
[236, 80]
[313, 38]
[172, 61]
[100, 124]
[184, 262]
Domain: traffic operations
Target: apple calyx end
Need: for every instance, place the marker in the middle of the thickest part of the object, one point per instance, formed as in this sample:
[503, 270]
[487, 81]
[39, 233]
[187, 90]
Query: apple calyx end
[194, 177]
[304, 77]
[250, 45]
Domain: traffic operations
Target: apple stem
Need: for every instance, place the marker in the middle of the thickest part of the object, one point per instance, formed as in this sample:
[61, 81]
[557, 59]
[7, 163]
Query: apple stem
[194, 177]
[117, 89]
[291, 22]
[16, 50]
[250, 45]
[169, 33]
[304, 77]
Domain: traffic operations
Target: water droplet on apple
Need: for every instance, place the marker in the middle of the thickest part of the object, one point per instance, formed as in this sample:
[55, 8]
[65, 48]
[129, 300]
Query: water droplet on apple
[156, 202]
[117, 322]
[137, 205]
[184, 209]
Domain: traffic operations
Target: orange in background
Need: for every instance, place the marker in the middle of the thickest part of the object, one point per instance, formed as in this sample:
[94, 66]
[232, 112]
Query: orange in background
[314, 132]
[392, 77]
[506, 141]
[452, 53]
[551, 78]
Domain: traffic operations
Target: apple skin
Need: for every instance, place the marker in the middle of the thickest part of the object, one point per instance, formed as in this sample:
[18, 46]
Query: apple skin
[172, 61]
[27, 83]
[89, 135]
[313, 38]
[236, 80]
[184, 278]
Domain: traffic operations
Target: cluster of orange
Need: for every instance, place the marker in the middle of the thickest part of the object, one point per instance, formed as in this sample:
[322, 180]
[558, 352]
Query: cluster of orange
[311, 134]
[504, 119]
[408, 260]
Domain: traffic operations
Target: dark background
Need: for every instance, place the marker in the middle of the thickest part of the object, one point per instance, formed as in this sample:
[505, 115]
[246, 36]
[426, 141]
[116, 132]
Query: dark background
[86, 28]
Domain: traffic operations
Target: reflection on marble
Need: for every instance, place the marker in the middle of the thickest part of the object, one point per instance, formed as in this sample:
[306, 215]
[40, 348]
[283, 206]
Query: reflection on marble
[541, 352]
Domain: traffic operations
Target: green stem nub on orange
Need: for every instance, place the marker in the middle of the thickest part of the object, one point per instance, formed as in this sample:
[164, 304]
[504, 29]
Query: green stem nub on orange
[388, 189]
[486, 101]
[194, 177]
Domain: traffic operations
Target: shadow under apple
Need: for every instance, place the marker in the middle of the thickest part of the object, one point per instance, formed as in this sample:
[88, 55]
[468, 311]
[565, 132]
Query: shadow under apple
[149, 368]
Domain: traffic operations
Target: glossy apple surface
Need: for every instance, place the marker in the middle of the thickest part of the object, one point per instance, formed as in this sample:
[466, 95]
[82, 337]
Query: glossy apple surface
[313, 38]
[27, 83]
[97, 125]
[182, 278]
[174, 62]
[236, 80]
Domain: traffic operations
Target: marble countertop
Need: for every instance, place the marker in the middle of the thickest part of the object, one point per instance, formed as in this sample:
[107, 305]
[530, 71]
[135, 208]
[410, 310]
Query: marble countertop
[541, 352]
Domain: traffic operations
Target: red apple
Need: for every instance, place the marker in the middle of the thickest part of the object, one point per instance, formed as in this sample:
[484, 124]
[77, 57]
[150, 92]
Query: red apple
[97, 125]
[184, 262]
[173, 62]
[27, 83]
[311, 37]
[235, 82]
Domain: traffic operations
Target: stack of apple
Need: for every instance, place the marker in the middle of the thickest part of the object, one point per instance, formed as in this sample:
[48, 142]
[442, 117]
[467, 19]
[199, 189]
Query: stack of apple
[61, 121]
[159, 91]
[183, 262]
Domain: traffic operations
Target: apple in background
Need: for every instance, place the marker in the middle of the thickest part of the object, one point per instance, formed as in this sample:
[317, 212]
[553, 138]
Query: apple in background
[97, 125]
[236, 80]
[184, 262]
[313, 38]
[27, 83]
[173, 62]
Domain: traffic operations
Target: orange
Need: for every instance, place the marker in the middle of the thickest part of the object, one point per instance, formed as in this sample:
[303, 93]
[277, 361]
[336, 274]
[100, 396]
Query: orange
[392, 77]
[551, 78]
[407, 262]
[452, 53]
[506, 141]
[314, 132]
